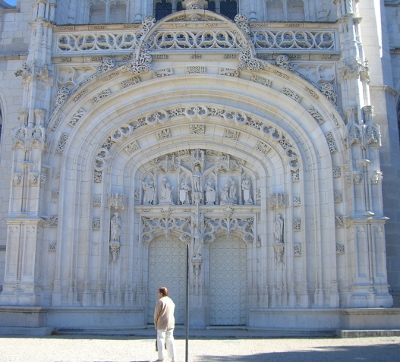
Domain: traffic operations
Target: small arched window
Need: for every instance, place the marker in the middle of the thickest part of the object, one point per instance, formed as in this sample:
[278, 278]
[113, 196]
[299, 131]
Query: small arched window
[295, 10]
[118, 13]
[275, 10]
[97, 13]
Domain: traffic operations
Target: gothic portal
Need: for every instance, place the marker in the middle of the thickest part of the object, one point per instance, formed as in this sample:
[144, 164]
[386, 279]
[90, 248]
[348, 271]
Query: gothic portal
[250, 142]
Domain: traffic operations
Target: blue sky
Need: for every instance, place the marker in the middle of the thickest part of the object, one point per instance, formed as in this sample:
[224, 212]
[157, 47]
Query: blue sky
[11, 2]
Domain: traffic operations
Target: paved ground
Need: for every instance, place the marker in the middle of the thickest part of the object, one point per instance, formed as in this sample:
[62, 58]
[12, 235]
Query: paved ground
[91, 348]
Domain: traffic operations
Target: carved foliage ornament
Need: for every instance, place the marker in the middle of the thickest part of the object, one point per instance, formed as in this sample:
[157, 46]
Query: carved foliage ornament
[199, 112]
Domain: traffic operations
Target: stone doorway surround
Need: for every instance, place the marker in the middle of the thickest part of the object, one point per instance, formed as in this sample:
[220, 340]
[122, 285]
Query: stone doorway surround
[261, 150]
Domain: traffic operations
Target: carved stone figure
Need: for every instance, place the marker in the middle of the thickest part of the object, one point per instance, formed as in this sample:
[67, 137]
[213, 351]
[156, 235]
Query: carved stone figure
[197, 244]
[225, 194]
[278, 232]
[165, 192]
[232, 190]
[184, 196]
[115, 227]
[197, 179]
[246, 188]
[148, 189]
[210, 192]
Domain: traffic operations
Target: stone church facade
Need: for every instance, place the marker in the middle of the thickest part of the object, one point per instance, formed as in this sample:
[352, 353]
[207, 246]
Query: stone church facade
[261, 136]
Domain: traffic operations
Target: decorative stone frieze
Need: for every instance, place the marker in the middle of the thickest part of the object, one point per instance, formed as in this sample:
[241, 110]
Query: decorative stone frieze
[201, 111]
[312, 93]
[340, 249]
[62, 141]
[101, 95]
[231, 134]
[96, 224]
[53, 221]
[132, 147]
[376, 177]
[166, 72]
[295, 175]
[96, 200]
[331, 142]
[338, 197]
[52, 247]
[197, 129]
[341, 221]
[55, 194]
[80, 95]
[62, 95]
[328, 90]
[130, 82]
[258, 194]
[296, 200]
[297, 225]
[229, 72]
[140, 64]
[261, 80]
[164, 134]
[337, 171]
[196, 70]
[16, 178]
[354, 176]
[98, 176]
[277, 200]
[281, 74]
[248, 62]
[283, 61]
[297, 249]
[116, 201]
[291, 94]
[262, 147]
[76, 117]
[34, 178]
[317, 116]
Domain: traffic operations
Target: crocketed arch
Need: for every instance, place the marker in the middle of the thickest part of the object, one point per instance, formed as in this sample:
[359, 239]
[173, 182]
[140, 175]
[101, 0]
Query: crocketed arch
[76, 163]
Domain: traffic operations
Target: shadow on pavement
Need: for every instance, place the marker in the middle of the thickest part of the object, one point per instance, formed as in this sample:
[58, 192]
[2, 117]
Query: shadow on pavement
[377, 353]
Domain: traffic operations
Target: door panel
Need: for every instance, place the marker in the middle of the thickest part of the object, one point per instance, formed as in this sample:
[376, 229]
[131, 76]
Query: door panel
[167, 267]
[228, 275]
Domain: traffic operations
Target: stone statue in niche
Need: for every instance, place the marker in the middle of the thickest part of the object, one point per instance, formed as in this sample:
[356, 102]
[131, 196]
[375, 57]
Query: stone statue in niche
[185, 188]
[228, 193]
[196, 179]
[197, 244]
[148, 190]
[278, 231]
[165, 192]
[225, 194]
[115, 227]
[210, 192]
[232, 190]
[246, 188]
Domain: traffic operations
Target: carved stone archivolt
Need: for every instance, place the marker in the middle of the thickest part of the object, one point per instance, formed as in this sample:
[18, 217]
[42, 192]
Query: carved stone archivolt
[200, 112]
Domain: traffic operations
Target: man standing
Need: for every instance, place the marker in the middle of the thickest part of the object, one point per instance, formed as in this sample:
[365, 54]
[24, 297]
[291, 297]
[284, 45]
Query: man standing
[164, 322]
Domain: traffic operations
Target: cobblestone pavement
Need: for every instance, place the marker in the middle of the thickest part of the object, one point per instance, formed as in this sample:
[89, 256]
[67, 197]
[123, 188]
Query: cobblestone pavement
[84, 348]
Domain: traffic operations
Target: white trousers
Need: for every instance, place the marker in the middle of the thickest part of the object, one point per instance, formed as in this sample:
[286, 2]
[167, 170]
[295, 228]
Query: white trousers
[165, 337]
